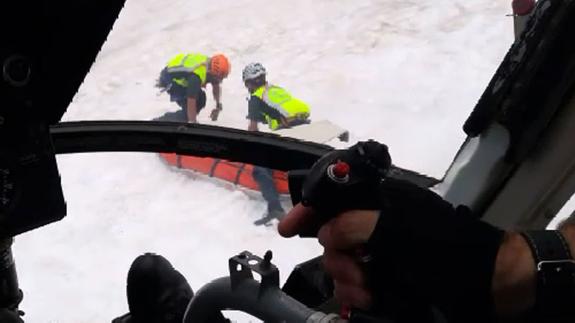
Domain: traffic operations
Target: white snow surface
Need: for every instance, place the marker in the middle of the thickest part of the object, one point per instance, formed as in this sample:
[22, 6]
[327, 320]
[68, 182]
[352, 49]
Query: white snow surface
[404, 72]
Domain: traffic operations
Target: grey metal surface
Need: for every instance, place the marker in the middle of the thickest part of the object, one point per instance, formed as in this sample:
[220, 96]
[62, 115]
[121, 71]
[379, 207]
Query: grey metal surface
[478, 167]
[543, 183]
[270, 304]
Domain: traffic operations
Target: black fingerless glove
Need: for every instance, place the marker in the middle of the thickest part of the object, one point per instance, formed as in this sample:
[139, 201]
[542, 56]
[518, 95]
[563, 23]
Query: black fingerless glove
[425, 248]
[424, 251]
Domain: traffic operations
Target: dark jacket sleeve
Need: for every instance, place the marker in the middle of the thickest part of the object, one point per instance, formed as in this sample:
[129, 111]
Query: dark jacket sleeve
[257, 109]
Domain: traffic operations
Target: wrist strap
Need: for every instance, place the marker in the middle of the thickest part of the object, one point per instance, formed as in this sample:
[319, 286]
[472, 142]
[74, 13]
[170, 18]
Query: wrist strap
[555, 267]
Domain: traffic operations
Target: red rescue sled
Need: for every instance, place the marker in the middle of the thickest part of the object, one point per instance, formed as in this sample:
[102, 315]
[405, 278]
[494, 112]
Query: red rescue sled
[237, 173]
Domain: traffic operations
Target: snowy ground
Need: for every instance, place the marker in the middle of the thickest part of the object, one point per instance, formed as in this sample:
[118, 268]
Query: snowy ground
[404, 72]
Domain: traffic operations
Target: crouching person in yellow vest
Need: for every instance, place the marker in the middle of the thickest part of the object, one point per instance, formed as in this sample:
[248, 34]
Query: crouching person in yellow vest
[185, 77]
[276, 107]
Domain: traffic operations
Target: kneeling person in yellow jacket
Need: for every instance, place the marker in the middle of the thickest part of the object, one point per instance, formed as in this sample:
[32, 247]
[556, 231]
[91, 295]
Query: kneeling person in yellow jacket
[276, 107]
[271, 104]
[185, 77]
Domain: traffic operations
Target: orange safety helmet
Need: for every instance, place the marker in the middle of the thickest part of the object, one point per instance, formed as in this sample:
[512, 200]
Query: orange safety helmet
[219, 66]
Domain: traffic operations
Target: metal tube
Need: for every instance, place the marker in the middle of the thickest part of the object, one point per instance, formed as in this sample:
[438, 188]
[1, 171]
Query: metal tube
[269, 304]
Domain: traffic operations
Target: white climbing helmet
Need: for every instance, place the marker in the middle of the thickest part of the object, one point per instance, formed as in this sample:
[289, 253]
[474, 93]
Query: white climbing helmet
[252, 71]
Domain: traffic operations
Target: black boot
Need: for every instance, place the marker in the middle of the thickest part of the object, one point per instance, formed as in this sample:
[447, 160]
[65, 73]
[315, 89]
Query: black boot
[273, 213]
[157, 293]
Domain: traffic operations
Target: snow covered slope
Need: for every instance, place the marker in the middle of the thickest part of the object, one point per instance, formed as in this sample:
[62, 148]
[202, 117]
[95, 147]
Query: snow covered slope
[392, 70]
[404, 72]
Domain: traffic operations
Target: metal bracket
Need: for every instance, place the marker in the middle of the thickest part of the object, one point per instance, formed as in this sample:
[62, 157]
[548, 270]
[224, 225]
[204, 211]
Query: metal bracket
[242, 265]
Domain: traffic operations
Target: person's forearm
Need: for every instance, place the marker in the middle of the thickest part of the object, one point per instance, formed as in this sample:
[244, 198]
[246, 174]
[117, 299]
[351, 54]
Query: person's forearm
[217, 92]
[514, 279]
[253, 126]
[513, 284]
[568, 231]
[192, 110]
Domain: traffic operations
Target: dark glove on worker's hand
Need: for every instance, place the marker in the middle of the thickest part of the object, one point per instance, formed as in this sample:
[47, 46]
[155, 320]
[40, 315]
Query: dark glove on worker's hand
[216, 112]
[422, 245]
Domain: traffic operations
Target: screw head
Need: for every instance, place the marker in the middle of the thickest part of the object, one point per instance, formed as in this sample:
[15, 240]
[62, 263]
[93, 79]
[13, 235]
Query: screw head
[16, 70]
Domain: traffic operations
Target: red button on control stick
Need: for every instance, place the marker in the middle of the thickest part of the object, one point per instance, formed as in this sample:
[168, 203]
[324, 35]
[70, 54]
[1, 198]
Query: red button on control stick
[339, 172]
[340, 169]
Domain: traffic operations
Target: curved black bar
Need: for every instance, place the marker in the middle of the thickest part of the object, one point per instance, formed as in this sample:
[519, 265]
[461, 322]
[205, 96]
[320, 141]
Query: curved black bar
[264, 149]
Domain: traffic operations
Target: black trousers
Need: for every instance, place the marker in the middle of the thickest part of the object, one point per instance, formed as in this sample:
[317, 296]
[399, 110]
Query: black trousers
[264, 177]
